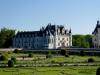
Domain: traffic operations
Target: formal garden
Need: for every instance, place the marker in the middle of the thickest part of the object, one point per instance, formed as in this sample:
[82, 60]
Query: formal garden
[50, 63]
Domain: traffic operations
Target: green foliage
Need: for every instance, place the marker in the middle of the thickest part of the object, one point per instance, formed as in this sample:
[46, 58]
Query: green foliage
[3, 57]
[13, 59]
[98, 71]
[49, 55]
[84, 41]
[66, 55]
[91, 60]
[16, 51]
[6, 36]
[10, 63]
[9, 52]
[53, 61]
[30, 55]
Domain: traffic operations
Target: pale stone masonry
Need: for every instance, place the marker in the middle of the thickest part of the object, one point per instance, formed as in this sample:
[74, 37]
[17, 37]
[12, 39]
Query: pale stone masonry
[49, 37]
[96, 36]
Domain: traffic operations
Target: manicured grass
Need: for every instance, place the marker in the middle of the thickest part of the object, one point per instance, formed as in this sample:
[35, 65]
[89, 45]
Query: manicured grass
[71, 70]
[55, 58]
[63, 70]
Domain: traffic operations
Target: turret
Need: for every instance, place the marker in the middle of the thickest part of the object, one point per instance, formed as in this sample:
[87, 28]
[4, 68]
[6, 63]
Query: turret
[98, 23]
[70, 31]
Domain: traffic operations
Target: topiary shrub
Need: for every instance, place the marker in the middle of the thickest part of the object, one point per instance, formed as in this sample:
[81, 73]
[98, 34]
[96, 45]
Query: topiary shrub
[63, 52]
[98, 71]
[91, 60]
[13, 59]
[9, 52]
[82, 53]
[30, 55]
[10, 63]
[16, 51]
[53, 61]
[66, 55]
[3, 57]
[49, 55]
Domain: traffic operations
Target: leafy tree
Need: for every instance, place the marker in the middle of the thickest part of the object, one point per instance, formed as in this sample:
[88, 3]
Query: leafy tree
[6, 36]
[84, 41]
[89, 39]
[10, 63]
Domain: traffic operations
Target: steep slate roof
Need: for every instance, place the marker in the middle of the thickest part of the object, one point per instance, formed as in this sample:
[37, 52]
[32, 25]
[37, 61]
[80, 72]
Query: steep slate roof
[49, 30]
[96, 28]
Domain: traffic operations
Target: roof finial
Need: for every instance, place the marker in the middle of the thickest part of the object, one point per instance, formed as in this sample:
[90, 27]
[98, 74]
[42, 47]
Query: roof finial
[97, 22]
[70, 31]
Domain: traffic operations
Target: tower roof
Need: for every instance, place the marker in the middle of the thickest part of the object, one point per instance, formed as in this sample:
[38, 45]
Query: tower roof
[97, 26]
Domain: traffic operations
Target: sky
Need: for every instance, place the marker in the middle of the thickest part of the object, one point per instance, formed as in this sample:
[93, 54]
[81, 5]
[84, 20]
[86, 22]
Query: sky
[30, 15]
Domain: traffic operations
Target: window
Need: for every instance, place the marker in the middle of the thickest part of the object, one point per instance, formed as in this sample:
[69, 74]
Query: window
[37, 39]
[58, 44]
[67, 39]
[58, 38]
[49, 40]
[63, 38]
[52, 40]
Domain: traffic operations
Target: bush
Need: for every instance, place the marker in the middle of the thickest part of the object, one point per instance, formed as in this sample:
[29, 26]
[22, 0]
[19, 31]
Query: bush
[82, 53]
[98, 71]
[30, 55]
[3, 57]
[16, 51]
[9, 52]
[66, 55]
[13, 59]
[91, 60]
[63, 52]
[49, 55]
[53, 61]
[10, 63]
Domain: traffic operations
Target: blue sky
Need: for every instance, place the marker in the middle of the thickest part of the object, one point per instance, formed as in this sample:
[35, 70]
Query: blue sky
[30, 15]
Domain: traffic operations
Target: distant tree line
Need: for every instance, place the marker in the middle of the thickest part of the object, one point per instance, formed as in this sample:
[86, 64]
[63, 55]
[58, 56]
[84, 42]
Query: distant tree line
[6, 36]
[84, 41]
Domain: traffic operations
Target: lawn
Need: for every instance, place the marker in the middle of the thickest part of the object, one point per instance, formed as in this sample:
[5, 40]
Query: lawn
[61, 70]
[69, 70]
[54, 58]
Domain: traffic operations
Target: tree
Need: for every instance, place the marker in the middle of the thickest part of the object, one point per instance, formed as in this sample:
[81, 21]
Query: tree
[84, 41]
[89, 39]
[6, 36]
[10, 63]
[98, 71]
